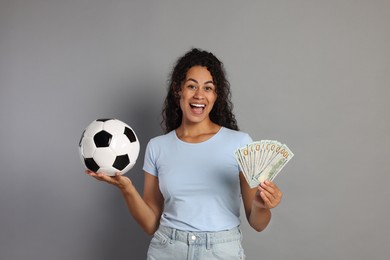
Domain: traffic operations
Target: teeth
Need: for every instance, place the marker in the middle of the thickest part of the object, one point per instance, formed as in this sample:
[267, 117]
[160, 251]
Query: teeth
[198, 105]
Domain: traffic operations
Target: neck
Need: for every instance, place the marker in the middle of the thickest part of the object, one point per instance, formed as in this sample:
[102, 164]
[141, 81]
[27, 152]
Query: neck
[197, 132]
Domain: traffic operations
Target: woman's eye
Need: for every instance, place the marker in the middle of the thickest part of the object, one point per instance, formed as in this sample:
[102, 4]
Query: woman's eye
[192, 87]
[208, 89]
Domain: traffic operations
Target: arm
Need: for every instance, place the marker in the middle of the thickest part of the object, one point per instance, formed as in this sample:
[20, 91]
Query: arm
[146, 210]
[258, 202]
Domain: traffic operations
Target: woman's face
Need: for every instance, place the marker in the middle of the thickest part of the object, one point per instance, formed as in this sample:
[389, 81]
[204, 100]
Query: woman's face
[197, 95]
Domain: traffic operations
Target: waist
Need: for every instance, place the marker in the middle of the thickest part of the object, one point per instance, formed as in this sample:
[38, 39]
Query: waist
[191, 237]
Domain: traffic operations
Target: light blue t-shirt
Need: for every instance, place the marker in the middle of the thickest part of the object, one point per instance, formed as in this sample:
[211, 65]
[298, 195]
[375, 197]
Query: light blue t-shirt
[199, 181]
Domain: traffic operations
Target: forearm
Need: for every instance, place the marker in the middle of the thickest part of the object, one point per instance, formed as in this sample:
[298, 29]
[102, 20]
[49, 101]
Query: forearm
[143, 214]
[259, 218]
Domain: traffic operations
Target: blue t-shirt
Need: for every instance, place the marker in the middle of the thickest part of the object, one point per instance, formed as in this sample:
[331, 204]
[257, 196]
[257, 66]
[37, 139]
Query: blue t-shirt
[199, 181]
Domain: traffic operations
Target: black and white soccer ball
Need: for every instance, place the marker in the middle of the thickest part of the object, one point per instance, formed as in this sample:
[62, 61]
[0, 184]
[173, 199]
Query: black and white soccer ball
[109, 146]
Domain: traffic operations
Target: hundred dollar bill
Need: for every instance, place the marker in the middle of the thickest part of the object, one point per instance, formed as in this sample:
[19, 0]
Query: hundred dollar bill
[241, 163]
[276, 164]
[262, 160]
[257, 155]
[240, 156]
[274, 148]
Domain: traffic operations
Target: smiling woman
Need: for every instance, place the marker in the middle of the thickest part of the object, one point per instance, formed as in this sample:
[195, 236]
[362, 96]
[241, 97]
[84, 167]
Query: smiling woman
[197, 96]
[221, 113]
[193, 185]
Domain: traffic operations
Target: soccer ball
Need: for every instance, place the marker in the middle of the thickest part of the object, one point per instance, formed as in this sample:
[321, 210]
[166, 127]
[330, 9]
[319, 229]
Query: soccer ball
[109, 146]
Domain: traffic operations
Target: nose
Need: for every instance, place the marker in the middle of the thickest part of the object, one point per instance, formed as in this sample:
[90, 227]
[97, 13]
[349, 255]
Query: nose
[199, 94]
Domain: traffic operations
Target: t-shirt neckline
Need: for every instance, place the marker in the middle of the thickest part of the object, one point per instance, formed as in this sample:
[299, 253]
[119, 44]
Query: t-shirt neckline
[203, 142]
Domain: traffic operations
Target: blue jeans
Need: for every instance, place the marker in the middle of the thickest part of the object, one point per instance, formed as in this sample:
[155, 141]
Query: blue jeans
[169, 244]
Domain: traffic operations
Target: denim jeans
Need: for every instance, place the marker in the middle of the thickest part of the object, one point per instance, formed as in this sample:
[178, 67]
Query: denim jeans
[170, 244]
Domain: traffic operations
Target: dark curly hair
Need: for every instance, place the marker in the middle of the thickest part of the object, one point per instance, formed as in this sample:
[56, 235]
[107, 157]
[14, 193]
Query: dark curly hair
[222, 112]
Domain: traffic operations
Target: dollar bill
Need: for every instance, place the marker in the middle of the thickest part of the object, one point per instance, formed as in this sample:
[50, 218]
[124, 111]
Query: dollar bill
[275, 165]
[262, 160]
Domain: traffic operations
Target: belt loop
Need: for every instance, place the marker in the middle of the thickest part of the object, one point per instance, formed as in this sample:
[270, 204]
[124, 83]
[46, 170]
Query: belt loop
[173, 235]
[208, 241]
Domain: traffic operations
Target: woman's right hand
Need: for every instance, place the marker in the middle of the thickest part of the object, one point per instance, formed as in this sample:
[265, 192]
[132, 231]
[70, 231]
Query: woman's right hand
[119, 180]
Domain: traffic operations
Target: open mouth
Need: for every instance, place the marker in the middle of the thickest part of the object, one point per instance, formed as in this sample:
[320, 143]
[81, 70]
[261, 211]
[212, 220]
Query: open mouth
[198, 105]
[197, 108]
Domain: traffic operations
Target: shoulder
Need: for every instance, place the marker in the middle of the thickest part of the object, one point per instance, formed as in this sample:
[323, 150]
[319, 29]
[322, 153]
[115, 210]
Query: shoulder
[162, 139]
[236, 136]
[234, 133]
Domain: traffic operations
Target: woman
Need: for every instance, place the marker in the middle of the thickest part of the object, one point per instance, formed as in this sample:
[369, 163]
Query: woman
[193, 186]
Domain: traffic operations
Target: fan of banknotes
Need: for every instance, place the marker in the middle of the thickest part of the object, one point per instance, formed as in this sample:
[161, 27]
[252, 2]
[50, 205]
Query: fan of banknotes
[262, 160]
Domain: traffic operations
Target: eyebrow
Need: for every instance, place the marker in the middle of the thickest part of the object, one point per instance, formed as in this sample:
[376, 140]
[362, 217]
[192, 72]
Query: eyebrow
[207, 82]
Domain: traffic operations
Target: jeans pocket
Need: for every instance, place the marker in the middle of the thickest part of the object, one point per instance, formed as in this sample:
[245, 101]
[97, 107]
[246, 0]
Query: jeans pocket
[232, 250]
[159, 240]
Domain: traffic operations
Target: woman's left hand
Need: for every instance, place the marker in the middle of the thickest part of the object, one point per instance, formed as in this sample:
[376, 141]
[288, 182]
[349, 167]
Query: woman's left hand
[267, 196]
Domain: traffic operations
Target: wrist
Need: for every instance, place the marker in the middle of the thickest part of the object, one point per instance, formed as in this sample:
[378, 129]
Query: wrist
[127, 188]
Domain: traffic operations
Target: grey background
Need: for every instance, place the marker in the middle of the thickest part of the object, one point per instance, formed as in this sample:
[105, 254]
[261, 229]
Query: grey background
[312, 74]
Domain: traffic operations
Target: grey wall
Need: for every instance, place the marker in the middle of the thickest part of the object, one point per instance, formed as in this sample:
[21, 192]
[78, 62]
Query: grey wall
[312, 74]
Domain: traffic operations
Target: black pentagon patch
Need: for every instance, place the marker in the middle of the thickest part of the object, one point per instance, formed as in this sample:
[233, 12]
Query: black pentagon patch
[102, 139]
[91, 164]
[130, 134]
[103, 119]
[121, 162]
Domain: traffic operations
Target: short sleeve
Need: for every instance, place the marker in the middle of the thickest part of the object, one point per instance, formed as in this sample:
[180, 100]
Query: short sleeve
[150, 160]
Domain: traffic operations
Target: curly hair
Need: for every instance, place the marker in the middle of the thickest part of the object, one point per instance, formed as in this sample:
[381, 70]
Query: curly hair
[222, 112]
